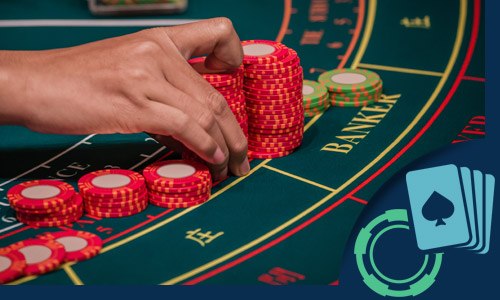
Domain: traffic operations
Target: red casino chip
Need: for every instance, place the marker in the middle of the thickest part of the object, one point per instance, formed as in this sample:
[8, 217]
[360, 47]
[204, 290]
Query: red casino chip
[12, 264]
[118, 204]
[291, 91]
[263, 51]
[291, 59]
[176, 173]
[278, 139]
[116, 213]
[52, 222]
[275, 79]
[257, 103]
[40, 194]
[177, 198]
[70, 207]
[111, 183]
[260, 155]
[176, 204]
[194, 190]
[284, 70]
[42, 256]
[78, 245]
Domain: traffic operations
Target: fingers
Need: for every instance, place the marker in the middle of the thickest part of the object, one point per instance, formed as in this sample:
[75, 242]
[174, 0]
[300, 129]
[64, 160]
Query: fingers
[213, 37]
[169, 142]
[164, 92]
[169, 121]
[233, 138]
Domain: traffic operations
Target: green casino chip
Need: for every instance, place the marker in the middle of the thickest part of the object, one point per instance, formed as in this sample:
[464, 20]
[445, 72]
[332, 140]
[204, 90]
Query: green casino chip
[355, 103]
[375, 279]
[313, 91]
[349, 80]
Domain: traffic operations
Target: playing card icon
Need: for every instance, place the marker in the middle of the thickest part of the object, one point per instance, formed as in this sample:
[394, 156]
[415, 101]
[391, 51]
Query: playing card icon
[438, 208]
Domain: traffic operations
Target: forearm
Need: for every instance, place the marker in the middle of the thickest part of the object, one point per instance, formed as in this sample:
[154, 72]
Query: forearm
[12, 87]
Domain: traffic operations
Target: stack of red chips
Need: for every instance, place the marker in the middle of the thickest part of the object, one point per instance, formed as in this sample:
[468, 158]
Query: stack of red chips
[178, 183]
[113, 193]
[45, 203]
[229, 84]
[272, 86]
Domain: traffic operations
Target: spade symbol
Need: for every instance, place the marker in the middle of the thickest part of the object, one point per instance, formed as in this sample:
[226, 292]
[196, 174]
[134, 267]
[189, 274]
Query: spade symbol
[438, 208]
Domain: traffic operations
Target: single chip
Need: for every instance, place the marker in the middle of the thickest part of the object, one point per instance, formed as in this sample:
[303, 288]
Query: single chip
[66, 220]
[275, 79]
[42, 256]
[260, 155]
[117, 204]
[114, 214]
[12, 264]
[352, 103]
[40, 194]
[259, 77]
[276, 139]
[113, 183]
[291, 59]
[176, 173]
[285, 70]
[78, 245]
[176, 204]
[263, 51]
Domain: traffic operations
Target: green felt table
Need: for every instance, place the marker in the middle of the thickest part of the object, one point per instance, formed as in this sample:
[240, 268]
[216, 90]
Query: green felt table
[288, 221]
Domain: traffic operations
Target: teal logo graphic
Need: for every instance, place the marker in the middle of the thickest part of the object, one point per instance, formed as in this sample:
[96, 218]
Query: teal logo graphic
[372, 275]
[451, 207]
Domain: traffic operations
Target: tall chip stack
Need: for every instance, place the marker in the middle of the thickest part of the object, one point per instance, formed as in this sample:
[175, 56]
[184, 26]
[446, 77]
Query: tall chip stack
[45, 203]
[352, 87]
[229, 84]
[273, 93]
[113, 193]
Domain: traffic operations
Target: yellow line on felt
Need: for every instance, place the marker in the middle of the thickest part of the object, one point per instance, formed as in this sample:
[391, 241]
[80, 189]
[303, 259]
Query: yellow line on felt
[248, 245]
[361, 51]
[300, 178]
[166, 221]
[72, 274]
[400, 70]
[173, 218]
[370, 20]
[21, 280]
[444, 78]
[430, 101]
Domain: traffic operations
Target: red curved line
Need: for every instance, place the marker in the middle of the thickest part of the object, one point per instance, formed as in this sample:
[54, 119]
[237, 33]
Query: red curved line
[286, 20]
[357, 32]
[456, 83]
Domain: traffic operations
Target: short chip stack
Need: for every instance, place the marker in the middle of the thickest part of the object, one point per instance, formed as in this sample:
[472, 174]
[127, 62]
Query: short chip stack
[315, 98]
[45, 203]
[113, 193]
[178, 183]
[273, 93]
[229, 84]
[352, 87]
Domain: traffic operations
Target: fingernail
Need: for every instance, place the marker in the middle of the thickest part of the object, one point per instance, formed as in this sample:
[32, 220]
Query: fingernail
[245, 167]
[219, 157]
